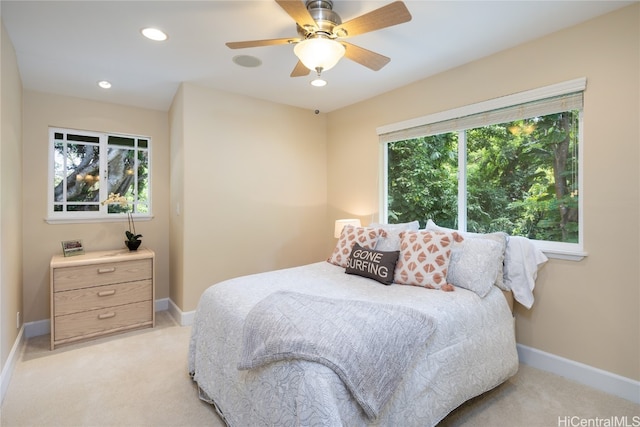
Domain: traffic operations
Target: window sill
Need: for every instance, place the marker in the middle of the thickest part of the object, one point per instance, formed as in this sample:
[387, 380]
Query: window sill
[101, 219]
[564, 251]
[567, 256]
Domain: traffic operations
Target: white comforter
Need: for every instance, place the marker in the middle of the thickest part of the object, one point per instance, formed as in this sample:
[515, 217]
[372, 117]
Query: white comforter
[471, 351]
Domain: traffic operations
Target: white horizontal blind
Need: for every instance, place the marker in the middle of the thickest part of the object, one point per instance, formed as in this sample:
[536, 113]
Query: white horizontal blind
[539, 102]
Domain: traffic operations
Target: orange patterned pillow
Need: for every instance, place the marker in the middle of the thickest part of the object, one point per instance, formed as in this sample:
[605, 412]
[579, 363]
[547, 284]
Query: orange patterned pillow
[424, 258]
[367, 237]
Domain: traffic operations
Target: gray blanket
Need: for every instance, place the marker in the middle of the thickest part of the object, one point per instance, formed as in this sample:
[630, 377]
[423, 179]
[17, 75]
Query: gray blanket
[369, 345]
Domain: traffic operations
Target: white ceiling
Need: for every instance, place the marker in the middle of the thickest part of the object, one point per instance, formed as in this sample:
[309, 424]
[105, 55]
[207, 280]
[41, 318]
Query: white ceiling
[66, 47]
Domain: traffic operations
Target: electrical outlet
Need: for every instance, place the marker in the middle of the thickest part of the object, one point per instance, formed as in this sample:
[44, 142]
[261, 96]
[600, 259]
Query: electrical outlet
[18, 320]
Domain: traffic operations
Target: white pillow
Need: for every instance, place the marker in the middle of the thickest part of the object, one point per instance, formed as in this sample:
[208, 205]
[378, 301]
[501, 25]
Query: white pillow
[499, 237]
[475, 265]
[392, 240]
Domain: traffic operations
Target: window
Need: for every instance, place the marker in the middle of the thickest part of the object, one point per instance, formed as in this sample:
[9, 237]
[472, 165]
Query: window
[85, 167]
[505, 165]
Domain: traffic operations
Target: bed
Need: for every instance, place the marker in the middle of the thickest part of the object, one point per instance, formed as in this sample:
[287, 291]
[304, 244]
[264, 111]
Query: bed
[405, 355]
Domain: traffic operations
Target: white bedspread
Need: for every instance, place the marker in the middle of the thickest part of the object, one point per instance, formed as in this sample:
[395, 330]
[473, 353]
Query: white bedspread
[471, 351]
[370, 346]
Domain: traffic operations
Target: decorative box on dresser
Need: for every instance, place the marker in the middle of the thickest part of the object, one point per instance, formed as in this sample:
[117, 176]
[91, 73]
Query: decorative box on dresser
[101, 293]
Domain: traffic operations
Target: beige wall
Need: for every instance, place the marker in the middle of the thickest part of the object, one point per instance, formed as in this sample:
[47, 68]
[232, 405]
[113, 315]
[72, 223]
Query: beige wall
[10, 197]
[587, 311]
[254, 188]
[42, 110]
[176, 203]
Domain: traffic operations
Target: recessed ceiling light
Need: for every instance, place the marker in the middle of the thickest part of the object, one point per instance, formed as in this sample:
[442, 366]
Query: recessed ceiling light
[318, 82]
[104, 84]
[247, 61]
[154, 34]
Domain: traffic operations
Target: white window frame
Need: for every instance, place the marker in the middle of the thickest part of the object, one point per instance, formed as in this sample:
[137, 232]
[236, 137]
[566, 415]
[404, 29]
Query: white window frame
[102, 215]
[412, 128]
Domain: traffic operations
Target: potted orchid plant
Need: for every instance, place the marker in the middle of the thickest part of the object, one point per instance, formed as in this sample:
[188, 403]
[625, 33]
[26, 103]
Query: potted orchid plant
[133, 239]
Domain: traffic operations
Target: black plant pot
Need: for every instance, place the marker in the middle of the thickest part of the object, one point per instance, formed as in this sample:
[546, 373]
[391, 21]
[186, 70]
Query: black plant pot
[133, 245]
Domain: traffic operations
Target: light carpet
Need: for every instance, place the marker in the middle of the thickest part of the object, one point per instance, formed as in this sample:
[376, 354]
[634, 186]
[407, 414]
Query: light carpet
[140, 379]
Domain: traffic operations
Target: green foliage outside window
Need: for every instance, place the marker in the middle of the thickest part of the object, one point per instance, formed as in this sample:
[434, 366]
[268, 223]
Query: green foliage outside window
[521, 177]
[422, 181]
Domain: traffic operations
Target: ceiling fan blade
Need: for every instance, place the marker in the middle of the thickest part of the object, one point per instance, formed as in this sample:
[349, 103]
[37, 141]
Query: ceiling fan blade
[259, 43]
[365, 57]
[298, 11]
[300, 70]
[392, 14]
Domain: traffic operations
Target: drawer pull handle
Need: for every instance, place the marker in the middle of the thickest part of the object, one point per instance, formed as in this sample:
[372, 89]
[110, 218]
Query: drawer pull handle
[106, 293]
[106, 270]
[106, 315]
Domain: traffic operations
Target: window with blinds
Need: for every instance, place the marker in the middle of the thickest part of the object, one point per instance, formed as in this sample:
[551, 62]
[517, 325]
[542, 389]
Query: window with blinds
[510, 164]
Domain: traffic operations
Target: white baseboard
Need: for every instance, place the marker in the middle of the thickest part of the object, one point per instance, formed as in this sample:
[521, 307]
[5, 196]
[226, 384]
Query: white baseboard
[37, 328]
[162, 304]
[182, 317]
[579, 372]
[7, 368]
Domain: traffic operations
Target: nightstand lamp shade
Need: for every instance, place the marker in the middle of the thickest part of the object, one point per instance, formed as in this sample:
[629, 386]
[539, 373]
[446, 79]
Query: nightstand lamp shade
[340, 224]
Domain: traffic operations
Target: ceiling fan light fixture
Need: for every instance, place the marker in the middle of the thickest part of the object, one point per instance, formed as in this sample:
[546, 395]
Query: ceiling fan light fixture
[319, 52]
[318, 82]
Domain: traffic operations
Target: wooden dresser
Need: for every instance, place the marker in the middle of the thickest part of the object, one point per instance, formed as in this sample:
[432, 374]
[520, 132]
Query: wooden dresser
[101, 293]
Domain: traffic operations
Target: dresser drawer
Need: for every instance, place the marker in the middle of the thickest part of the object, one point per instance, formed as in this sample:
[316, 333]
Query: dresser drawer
[77, 300]
[101, 293]
[77, 277]
[97, 322]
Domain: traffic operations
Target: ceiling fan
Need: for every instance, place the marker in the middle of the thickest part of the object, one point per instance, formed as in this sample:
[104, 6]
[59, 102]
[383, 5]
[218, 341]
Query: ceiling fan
[320, 45]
